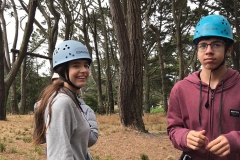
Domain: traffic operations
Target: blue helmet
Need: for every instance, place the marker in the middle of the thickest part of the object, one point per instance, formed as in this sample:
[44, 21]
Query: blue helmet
[69, 50]
[213, 25]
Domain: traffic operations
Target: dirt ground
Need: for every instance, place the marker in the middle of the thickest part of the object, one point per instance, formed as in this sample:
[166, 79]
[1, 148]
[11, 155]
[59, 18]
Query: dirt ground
[115, 142]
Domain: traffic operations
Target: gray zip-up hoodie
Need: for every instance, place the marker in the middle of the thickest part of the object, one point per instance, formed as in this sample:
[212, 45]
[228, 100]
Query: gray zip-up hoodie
[187, 111]
[92, 120]
[68, 133]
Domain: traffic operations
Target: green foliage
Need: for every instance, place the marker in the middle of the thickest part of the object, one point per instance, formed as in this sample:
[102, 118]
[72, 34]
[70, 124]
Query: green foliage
[91, 102]
[108, 158]
[38, 150]
[13, 150]
[2, 147]
[89, 94]
[34, 85]
[157, 110]
[27, 139]
[143, 156]
[96, 157]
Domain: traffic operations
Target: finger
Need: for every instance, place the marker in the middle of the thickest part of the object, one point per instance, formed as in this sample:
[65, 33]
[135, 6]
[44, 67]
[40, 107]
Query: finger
[203, 132]
[194, 143]
[199, 140]
[193, 147]
[218, 148]
[213, 143]
[221, 151]
[224, 153]
[222, 148]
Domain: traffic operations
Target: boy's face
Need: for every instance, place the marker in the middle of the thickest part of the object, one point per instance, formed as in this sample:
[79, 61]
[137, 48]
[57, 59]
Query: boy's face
[211, 52]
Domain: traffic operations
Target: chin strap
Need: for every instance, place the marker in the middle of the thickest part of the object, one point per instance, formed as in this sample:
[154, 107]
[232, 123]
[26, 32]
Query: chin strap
[69, 82]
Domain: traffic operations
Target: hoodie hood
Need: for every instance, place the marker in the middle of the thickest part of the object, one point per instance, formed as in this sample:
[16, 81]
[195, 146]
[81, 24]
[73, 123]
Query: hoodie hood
[230, 79]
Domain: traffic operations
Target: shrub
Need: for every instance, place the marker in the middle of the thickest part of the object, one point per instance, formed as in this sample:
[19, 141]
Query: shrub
[157, 110]
[143, 156]
[2, 147]
[38, 150]
[27, 139]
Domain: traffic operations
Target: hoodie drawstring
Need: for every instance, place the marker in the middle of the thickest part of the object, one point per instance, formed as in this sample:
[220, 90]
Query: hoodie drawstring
[199, 105]
[220, 110]
[220, 107]
[207, 103]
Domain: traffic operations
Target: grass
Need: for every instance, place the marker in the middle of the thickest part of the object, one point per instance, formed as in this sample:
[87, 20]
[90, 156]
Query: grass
[16, 137]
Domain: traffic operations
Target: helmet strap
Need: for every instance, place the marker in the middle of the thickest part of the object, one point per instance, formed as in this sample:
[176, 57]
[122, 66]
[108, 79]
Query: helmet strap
[69, 82]
[223, 62]
[68, 79]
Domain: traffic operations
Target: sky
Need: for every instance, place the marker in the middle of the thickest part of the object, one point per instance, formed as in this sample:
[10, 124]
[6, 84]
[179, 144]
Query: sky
[11, 32]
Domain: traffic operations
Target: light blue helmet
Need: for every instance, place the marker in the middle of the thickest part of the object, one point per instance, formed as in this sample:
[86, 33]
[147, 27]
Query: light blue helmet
[213, 25]
[69, 50]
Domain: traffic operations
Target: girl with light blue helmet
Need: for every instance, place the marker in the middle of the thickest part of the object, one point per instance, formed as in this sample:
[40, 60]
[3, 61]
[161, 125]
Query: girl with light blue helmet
[204, 108]
[59, 118]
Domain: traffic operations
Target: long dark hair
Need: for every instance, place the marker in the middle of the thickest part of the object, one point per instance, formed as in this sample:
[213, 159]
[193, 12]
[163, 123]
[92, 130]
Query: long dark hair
[46, 98]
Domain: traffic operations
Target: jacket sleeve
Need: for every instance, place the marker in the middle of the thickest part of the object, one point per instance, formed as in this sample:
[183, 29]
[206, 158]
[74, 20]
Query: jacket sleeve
[91, 118]
[176, 131]
[62, 126]
[233, 138]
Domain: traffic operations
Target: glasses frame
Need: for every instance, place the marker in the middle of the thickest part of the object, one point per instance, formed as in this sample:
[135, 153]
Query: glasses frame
[212, 45]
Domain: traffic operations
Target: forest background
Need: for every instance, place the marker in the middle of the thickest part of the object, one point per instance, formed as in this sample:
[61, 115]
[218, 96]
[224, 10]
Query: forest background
[140, 49]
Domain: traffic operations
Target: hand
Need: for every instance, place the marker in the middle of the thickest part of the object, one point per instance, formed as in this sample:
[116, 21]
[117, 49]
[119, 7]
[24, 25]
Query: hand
[196, 139]
[219, 146]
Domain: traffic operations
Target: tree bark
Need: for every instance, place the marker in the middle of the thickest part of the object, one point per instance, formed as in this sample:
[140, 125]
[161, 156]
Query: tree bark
[97, 76]
[2, 88]
[110, 101]
[236, 48]
[177, 20]
[161, 60]
[14, 102]
[23, 87]
[131, 62]
[147, 107]
[23, 49]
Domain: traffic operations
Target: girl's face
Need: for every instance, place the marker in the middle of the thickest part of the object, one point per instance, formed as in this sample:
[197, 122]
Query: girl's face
[79, 72]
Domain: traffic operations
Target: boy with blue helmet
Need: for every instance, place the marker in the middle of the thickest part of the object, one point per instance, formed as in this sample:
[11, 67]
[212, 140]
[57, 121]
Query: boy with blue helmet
[203, 114]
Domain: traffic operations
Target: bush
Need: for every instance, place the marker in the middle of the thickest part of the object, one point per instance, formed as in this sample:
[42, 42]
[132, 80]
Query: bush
[2, 147]
[157, 110]
[143, 156]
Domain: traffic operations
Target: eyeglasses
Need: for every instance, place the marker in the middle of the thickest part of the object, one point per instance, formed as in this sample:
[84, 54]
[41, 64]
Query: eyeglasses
[215, 46]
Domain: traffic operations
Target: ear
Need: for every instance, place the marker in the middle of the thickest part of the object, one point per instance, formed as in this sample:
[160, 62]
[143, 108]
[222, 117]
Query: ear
[229, 51]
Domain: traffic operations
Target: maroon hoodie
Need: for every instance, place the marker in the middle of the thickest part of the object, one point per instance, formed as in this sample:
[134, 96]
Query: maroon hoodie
[187, 111]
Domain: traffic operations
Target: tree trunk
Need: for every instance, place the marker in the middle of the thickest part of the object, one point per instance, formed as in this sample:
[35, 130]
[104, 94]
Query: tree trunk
[110, 101]
[161, 60]
[236, 49]
[110, 97]
[2, 88]
[131, 62]
[23, 87]
[14, 104]
[177, 20]
[22, 52]
[147, 106]
[97, 76]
